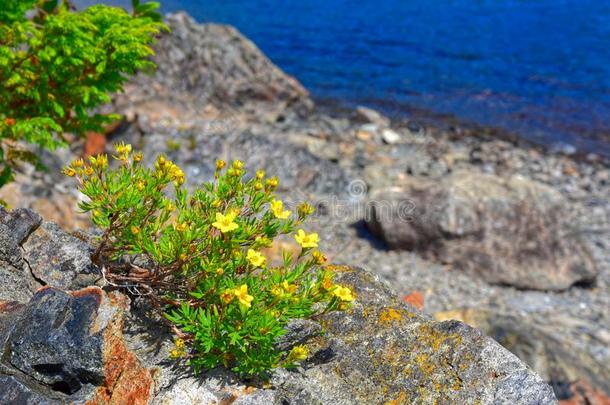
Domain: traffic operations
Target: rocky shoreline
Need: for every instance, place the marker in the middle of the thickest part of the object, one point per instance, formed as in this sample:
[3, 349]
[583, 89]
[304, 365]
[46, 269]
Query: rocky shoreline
[503, 236]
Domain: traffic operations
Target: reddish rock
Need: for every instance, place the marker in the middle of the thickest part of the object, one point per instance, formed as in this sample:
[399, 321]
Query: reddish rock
[69, 347]
[583, 394]
[126, 380]
[416, 299]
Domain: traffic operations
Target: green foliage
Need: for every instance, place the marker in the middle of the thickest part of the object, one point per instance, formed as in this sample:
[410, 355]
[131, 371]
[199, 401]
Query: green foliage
[201, 257]
[57, 65]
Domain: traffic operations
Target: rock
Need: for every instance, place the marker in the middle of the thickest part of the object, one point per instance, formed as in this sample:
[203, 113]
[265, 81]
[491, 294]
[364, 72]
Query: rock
[369, 116]
[378, 352]
[508, 231]
[300, 171]
[14, 391]
[556, 355]
[579, 393]
[59, 259]
[68, 347]
[17, 281]
[199, 64]
[390, 136]
[71, 347]
[21, 222]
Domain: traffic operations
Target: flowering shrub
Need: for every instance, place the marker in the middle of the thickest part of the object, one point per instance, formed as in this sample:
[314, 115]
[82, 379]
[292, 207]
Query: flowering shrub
[57, 65]
[201, 257]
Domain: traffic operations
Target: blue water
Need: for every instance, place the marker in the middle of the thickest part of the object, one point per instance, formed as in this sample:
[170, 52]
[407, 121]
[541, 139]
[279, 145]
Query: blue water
[537, 67]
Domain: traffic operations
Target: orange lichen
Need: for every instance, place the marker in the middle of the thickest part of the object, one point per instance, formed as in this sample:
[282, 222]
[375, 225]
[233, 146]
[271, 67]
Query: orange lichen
[126, 381]
[399, 400]
[389, 315]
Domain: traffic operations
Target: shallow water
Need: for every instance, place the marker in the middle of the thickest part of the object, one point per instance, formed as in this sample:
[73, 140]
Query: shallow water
[537, 67]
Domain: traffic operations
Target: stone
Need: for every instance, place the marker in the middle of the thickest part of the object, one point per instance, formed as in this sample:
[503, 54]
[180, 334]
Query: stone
[13, 391]
[300, 171]
[21, 221]
[69, 347]
[59, 259]
[201, 64]
[509, 231]
[17, 281]
[378, 352]
[556, 356]
[390, 136]
[369, 116]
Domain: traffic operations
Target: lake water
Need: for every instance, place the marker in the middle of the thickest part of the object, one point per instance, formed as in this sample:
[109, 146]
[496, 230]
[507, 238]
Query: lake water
[540, 68]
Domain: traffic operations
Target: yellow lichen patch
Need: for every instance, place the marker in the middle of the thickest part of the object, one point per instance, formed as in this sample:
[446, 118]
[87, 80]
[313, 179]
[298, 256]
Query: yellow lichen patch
[389, 316]
[433, 363]
[399, 400]
[339, 268]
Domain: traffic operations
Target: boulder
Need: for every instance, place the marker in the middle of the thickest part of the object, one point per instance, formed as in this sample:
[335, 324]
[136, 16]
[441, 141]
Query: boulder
[67, 347]
[510, 231]
[86, 346]
[214, 64]
[380, 351]
[559, 355]
[60, 259]
[18, 284]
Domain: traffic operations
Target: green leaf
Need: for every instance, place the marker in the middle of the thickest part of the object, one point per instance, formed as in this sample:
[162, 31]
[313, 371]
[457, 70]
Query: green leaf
[49, 6]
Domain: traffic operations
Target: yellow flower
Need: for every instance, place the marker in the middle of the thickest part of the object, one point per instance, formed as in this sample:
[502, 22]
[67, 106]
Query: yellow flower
[68, 171]
[327, 283]
[305, 209]
[262, 241]
[137, 157]
[289, 288]
[220, 164]
[140, 186]
[220, 271]
[298, 353]
[122, 148]
[277, 291]
[256, 258]
[99, 161]
[258, 186]
[319, 257]
[179, 349]
[260, 174]
[123, 151]
[305, 240]
[181, 227]
[242, 295]
[78, 163]
[226, 223]
[272, 183]
[88, 171]
[343, 293]
[238, 164]
[277, 207]
[135, 230]
[227, 296]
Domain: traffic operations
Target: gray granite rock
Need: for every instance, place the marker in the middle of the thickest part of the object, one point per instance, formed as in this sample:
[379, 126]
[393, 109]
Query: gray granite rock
[380, 351]
[59, 259]
[67, 347]
[212, 63]
[509, 231]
